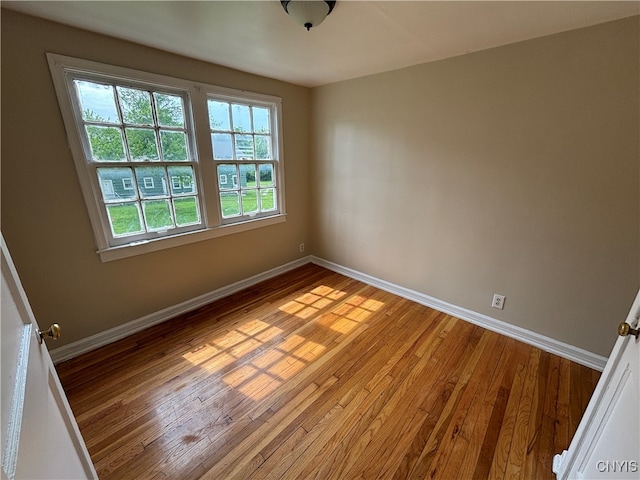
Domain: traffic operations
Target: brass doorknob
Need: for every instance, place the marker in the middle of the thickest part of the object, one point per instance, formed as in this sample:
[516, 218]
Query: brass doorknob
[625, 329]
[54, 332]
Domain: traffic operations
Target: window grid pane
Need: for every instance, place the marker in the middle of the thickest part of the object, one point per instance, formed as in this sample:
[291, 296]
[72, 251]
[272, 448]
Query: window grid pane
[186, 211]
[136, 106]
[137, 126]
[254, 193]
[113, 123]
[125, 219]
[158, 215]
[160, 205]
[240, 132]
[106, 143]
[240, 135]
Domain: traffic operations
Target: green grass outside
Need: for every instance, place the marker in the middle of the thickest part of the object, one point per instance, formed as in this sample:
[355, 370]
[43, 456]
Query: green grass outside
[231, 206]
[186, 211]
[125, 219]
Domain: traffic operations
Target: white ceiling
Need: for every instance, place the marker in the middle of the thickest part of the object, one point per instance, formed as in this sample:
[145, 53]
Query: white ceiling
[358, 38]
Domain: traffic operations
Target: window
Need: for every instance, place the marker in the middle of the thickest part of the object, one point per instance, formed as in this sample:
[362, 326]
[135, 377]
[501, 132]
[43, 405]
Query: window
[145, 183]
[241, 140]
[107, 187]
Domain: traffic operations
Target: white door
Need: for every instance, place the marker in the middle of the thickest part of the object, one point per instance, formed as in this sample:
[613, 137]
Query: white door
[607, 442]
[40, 437]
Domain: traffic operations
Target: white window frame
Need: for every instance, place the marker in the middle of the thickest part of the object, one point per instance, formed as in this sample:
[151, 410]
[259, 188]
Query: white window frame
[63, 68]
[238, 160]
[127, 184]
[148, 182]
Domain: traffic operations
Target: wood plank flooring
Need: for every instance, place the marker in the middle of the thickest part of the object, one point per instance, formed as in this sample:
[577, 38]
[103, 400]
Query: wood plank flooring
[316, 375]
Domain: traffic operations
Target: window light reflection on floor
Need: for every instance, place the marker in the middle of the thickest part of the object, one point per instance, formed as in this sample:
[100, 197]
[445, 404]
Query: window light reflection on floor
[263, 374]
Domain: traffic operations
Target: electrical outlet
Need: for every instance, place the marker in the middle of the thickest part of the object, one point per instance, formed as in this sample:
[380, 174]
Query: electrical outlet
[301, 247]
[498, 301]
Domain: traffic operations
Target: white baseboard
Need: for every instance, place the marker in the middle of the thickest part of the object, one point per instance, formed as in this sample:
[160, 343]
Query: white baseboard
[547, 344]
[117, 333]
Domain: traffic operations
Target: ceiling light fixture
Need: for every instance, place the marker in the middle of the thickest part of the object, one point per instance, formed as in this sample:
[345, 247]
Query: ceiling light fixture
[308, 13]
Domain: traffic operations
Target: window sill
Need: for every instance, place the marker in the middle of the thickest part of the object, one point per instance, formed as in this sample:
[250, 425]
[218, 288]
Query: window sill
[148, 246]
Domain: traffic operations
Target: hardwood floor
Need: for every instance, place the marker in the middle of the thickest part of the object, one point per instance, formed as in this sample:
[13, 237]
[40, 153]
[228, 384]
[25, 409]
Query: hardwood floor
[315, 375]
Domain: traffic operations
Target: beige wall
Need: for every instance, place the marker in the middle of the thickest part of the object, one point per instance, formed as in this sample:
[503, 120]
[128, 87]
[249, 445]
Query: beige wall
[44, 219]
[514, 170]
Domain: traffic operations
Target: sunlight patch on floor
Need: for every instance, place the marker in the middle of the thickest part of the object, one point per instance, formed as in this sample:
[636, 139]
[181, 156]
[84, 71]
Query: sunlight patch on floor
[311, 302]
[266, 372]
[260, 376]
[232, 345]
[353, 312]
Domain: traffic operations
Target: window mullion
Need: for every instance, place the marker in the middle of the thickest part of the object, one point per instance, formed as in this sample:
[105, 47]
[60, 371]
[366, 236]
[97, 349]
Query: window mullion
[208, 186]
[125, 140]
[156, 123]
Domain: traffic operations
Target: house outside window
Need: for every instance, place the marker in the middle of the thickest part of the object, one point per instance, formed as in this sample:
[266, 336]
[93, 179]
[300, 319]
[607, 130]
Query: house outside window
[145, 182]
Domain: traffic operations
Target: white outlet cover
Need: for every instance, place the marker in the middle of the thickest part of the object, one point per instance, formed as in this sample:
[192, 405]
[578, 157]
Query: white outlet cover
[498, 301]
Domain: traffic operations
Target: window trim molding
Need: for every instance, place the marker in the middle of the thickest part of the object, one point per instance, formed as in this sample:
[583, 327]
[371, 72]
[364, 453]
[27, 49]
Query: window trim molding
[213, 224]
[148, 246]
